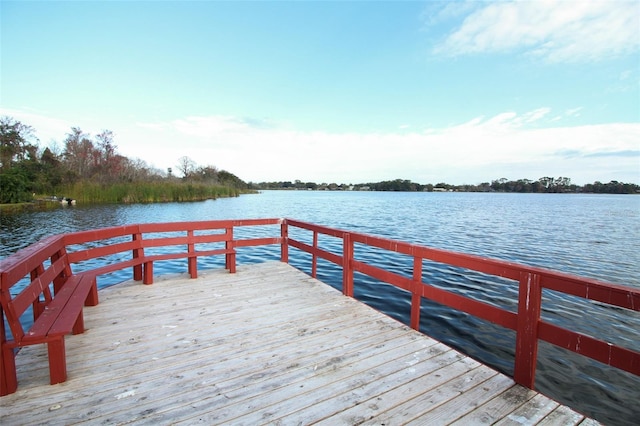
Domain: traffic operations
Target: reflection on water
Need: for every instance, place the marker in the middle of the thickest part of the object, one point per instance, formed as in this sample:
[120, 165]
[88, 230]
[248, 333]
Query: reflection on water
[596, 236]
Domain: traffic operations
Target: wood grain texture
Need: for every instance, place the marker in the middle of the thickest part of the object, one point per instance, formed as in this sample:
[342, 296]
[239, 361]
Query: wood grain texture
[267, 345]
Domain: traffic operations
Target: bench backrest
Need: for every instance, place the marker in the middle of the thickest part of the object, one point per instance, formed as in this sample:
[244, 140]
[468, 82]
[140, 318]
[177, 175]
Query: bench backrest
[46, 266]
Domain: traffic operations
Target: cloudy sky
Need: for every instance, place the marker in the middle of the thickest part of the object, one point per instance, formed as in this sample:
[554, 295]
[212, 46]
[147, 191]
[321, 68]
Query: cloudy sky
[346, 92]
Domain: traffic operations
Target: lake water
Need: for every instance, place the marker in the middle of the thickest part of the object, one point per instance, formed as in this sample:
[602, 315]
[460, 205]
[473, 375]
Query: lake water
[595, 236]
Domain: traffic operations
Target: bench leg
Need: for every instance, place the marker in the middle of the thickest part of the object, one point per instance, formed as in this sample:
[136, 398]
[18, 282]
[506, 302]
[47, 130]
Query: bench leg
[9, 379]
[92, 297]
[148, 273]
[193, 267]
[57, 361]
[78, 326]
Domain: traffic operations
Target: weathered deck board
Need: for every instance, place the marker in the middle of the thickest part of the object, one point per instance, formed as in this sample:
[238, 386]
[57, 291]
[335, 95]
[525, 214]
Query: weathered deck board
[265, 345]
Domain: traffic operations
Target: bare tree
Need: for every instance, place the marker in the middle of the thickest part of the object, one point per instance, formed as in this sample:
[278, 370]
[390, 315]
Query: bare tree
[186, 166]
[78, 152]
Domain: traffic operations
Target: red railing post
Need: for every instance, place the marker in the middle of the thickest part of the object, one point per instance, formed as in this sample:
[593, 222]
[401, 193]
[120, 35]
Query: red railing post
[137, 253]
[314, 256]
[529, 306]
[347, 265]
[230, 257]
[60, 279]
[416, 293]
[284, 242]
[192, 261]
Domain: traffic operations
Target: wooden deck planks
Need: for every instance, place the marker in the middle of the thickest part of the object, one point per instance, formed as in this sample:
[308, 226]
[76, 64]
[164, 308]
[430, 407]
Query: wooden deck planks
[267, 345]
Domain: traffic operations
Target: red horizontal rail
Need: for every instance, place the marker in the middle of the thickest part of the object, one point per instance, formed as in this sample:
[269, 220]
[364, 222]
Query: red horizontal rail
[606, 353]
[95, 235]
[315, 251]
[585, 288]
[252, 242]
[318, 228]
[102, 251]
[169, 241]
[479, 309]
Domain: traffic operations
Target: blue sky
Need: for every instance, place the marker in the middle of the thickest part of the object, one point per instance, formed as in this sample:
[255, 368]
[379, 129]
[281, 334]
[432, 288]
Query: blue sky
[347, 92]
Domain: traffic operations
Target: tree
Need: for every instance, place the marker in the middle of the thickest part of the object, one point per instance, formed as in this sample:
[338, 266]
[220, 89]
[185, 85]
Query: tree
[78, 152]
[186, 166]
[229, 179]
[18, 160]
[14, 186]
[547, 182]
[108, 160]
[15, 143]
[208, 174]
[498, 185]
[51, 171]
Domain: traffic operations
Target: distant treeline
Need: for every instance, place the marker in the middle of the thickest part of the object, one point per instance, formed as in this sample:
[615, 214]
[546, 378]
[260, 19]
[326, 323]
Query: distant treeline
[89, 169]
[542, 185]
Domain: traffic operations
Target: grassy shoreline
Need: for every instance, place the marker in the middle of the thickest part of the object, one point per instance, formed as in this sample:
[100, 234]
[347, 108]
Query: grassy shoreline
[127, 193]
[145, 192]
[36, 205]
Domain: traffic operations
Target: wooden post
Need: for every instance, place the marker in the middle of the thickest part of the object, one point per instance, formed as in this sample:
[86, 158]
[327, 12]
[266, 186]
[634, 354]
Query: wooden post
[230, 257]
[284, 242]
[78, 326]
[92, 297]
[416, 293]
[314, 256]
[137, 252]
[148, 273]
[192, 261]
[347, 265]
[57, 361]
[529, 306]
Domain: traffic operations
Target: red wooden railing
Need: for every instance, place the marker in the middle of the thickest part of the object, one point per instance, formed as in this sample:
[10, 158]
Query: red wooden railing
[527, 321]
[136, 246]
[144, 238]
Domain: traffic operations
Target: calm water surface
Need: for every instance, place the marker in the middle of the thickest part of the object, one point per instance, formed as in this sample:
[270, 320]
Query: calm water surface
[596, 236]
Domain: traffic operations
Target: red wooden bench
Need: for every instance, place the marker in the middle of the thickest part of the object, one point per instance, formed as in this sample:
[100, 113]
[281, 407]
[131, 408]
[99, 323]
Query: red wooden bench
[57, 298]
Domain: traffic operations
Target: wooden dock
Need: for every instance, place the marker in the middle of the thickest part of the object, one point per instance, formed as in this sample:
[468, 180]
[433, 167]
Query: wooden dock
[267, 345]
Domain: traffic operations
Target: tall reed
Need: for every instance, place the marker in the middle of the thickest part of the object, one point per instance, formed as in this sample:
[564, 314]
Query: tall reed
[144, 192]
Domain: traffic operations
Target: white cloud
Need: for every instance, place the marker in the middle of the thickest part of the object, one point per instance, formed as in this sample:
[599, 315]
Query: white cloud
[46, 127]
[536, 115]
[522, 145]
[557, 31]
[570, 113]
[210, 126]
[511, 144]
[573, 112]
